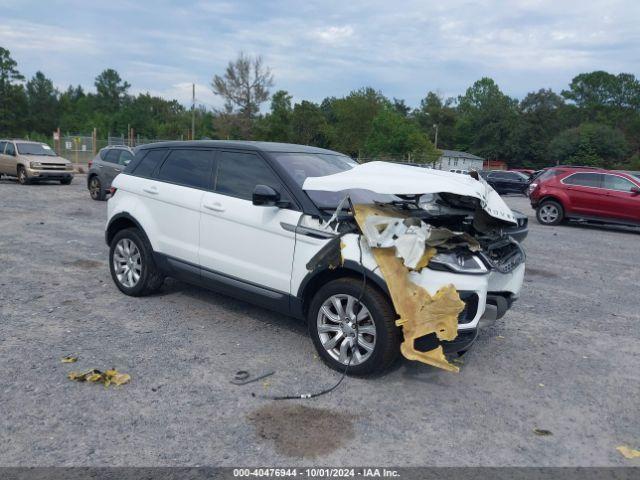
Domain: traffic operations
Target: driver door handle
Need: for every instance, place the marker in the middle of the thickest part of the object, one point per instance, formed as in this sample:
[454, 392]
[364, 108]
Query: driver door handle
[153, 190]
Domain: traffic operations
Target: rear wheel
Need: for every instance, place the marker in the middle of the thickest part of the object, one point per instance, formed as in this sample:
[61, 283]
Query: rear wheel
[131, 263]
[95, 188]
[336, 319]
[550, 212]
[23, 179]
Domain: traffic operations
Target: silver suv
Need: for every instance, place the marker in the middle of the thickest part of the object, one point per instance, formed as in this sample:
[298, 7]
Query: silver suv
[32, 161]
[108, 163]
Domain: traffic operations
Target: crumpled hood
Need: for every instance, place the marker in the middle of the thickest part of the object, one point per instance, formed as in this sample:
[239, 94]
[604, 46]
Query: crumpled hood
[46, 159]
[396, 179]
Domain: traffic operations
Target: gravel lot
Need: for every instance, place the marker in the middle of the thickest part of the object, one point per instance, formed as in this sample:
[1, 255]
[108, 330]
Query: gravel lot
[566, 358]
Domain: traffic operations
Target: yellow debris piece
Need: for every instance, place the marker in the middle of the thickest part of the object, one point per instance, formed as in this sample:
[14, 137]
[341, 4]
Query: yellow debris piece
[96, 376]
[420, 313]
[628, 452]
[69, 359]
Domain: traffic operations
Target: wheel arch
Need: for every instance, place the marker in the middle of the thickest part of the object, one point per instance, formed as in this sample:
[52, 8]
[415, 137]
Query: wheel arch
[553, 198]
[350, 269]
[120, 222]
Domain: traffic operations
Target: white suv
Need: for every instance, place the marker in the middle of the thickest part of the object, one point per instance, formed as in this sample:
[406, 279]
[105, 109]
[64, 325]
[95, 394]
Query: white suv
[261, 221]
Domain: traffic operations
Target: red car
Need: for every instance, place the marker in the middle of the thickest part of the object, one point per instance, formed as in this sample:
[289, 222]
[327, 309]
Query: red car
[593, 194]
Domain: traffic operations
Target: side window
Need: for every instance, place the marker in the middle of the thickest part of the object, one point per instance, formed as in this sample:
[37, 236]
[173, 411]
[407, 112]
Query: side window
[191, 168]
[112, 156]
[125, 158]
[239, 173]
[149, 162]
[11, 149]
[2, 145]
[103, 153]
[613, 182]
[584, 179]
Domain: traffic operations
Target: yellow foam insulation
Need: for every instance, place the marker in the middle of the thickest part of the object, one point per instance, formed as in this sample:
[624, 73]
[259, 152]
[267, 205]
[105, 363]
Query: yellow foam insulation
[420, 313]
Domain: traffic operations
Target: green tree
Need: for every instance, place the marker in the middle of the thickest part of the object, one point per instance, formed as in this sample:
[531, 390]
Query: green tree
[589, 144]
[111, 91]
[13, 100]
[434, 111]
[486, 119]
[353, 119]
[276, 126]
[308, 124]
[395, 136]
[42, 100]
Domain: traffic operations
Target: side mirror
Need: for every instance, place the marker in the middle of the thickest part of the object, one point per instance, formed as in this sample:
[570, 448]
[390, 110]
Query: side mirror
[265, 196]
[635, 191]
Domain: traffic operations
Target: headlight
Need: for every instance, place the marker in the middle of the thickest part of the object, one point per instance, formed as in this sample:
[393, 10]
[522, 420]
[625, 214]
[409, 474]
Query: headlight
[458, 263]
[35, 164]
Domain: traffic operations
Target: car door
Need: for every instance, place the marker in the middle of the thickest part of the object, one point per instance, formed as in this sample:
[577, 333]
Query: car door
[496, 180]
[10, 159]
[241, 240]
[170, 192]
[585, 193]
[109, 167]
[619, 201]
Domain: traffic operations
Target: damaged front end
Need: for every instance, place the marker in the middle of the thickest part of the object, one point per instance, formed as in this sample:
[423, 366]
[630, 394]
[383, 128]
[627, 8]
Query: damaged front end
[441, 243]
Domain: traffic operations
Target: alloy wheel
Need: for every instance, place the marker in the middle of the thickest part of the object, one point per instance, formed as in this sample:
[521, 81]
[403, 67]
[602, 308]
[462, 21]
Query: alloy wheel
[340, 318]
[94, 188]
[127, 262]
[549, 213]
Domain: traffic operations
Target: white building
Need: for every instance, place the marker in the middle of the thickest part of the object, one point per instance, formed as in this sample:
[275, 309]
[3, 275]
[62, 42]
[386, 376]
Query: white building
[454, 160]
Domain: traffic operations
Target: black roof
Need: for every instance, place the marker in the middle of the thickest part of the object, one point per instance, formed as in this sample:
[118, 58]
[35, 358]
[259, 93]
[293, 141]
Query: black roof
[244, 144]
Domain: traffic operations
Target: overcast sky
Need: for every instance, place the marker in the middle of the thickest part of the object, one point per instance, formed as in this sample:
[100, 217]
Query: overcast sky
[318, 49]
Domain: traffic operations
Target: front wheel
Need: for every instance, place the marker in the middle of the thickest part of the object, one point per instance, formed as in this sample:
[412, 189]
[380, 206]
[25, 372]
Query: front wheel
[550, 212]
[362, 335]
[133, 269]
[23, 179]
[66, 181]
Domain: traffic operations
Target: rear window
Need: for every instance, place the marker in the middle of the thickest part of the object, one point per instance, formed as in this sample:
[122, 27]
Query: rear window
[614, 182]
[191, 168]
[584, 179]
[112, 155]
[149, 162]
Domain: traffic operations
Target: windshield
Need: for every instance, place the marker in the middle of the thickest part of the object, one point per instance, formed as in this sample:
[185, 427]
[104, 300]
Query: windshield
[35, 149]
[302, 165]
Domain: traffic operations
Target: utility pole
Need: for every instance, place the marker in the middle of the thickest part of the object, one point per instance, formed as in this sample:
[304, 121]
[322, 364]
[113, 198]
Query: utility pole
[193, 111]
[435, 143]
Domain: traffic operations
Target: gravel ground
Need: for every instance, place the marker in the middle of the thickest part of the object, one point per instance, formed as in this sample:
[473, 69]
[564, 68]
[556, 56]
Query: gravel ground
[564, 359]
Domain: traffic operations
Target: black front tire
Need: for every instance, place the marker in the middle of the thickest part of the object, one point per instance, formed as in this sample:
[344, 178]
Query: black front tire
[66, 181]
[151, 278]
[388, 335]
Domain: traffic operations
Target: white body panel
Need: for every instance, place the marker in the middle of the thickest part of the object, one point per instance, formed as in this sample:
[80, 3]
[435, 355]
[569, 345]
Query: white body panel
[246, 241]
[169, 214]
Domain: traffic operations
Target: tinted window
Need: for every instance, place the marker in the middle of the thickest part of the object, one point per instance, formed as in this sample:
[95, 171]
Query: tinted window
[613, 182]
[2, 145]
[125, 157]
[11, 150]
[239, 173]
[112, 155]
[584, 179]
[149, 162]
[188, 167]
[504, 176]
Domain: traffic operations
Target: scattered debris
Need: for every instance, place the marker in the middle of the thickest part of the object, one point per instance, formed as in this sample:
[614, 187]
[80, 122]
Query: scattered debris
[69, 359]
[242, 377]
[542, 432]
[96, 376]
[628, 452]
